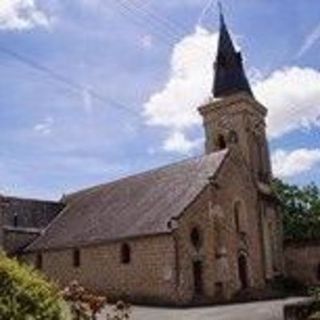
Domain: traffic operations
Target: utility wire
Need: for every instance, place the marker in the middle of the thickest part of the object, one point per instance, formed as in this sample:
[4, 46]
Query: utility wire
[144, 22]
[162, 27]
[170, 25]
[67, 82]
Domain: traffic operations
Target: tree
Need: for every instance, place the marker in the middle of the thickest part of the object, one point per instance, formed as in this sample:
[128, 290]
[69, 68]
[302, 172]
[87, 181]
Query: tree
[25, 294]
[301, 210]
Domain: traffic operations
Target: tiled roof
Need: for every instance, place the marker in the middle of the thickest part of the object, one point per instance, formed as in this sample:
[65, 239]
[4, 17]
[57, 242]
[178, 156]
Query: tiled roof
[138, 205]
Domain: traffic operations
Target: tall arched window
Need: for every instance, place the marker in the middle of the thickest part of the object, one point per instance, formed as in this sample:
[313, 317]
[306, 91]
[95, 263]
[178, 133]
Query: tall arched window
[15, 219]
[240, 217]
[195, 237]
[221, 142]
[237, 213]
[39, 261]
[125, 253]
[76, 258]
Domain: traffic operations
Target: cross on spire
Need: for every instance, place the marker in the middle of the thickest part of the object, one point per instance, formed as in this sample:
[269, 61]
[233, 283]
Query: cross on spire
[229, 72]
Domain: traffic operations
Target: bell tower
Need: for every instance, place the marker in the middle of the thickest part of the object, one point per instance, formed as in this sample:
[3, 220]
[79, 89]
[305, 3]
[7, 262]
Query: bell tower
[234, 118]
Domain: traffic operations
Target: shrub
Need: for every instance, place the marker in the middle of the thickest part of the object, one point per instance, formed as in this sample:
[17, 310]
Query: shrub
[25, 294]
[85, 305]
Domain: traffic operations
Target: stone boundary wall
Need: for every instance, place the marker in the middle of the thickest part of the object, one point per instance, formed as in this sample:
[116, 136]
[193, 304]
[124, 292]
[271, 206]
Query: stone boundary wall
[302, 261]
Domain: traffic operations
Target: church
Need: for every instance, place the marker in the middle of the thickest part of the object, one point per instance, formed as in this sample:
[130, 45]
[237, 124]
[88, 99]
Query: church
[201, 230]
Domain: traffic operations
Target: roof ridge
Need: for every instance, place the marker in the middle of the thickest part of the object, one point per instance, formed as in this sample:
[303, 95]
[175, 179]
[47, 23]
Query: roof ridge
[97, 212]
[7, 197]
[142, 173]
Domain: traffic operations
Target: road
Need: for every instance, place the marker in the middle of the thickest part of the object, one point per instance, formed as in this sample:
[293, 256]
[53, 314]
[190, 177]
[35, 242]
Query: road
[266, 310]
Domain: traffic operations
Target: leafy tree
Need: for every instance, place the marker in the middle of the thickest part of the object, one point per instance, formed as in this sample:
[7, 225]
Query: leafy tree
[25, 294]
[301, 210]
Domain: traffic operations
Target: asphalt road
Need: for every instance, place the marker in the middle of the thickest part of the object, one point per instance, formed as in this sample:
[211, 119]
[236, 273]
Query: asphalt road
[266, 310]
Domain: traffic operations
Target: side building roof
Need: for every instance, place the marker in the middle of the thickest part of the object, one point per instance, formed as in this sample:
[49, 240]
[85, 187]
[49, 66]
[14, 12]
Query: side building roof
[138, 205]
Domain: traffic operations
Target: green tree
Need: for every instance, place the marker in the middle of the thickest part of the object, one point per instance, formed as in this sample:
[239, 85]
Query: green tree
[25, 294]
[301, 210]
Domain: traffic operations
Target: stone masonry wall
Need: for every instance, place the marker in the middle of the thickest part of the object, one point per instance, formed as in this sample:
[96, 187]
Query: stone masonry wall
[161, 270]
[148, 278]
[302, 262]
[213, 214]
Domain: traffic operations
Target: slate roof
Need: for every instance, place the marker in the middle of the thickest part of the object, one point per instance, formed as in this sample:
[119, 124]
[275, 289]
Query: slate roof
[230, 76]
[138, 205]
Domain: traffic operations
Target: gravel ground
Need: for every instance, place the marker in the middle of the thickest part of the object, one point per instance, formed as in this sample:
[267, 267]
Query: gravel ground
[266, 310]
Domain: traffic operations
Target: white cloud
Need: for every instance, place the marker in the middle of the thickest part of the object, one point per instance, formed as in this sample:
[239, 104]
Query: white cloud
[309, 41]
[44, 127]
[178, 142]
[191, 76]
[21, 14]
[291, 163]
[292, 94]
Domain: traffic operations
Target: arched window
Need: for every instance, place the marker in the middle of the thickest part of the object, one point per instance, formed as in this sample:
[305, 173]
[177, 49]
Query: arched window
[237, 213]
[39, 261]
[221, 142]
[76, 258]
[239, 217]
[125, 253]
[195, 237]
[15, 219]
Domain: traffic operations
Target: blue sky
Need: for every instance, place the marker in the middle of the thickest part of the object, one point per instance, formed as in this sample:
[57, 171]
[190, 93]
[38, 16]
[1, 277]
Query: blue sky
[150, 64]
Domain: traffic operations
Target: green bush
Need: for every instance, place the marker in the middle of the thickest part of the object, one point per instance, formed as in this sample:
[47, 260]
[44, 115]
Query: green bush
[25, 294]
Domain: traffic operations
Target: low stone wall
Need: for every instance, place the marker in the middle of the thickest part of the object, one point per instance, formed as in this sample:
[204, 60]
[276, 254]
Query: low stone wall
[303, 310]
[302, 262]
[298, 310]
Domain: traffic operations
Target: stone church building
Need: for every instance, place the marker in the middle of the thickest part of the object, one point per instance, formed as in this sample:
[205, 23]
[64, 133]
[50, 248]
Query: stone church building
[203, 229]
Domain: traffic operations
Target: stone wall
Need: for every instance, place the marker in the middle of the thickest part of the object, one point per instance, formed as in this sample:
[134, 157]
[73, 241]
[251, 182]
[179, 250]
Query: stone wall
[162, 267]
[28, 213]
[21, 220]
[212, 213]
[302, 261]
[148, 278]
[14, 240]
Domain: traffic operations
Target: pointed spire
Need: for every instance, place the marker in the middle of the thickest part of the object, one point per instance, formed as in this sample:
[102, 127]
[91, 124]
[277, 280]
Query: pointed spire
[221, 14]
[229, 72]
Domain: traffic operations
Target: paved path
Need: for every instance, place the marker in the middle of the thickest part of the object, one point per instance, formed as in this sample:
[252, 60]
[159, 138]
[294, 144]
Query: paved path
[266, 310]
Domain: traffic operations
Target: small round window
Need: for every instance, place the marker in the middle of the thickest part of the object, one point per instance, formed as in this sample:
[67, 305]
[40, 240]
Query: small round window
[195, 237]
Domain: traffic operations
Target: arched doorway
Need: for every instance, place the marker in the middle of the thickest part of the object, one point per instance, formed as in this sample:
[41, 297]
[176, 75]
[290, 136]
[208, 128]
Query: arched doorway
[197, 278]
[243, 271]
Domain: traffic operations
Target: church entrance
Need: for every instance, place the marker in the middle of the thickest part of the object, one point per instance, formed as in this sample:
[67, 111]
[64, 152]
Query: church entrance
[197, 278]
[243, 271]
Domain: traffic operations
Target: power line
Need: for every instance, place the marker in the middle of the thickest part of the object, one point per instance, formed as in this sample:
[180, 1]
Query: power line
[170, 25]
[144, 21]
[164, 28]
[67, 82]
